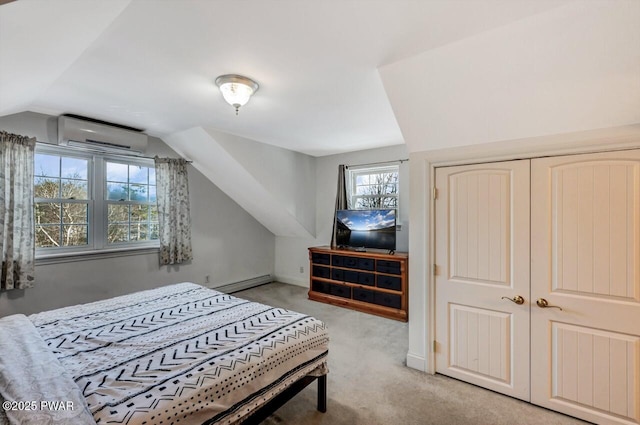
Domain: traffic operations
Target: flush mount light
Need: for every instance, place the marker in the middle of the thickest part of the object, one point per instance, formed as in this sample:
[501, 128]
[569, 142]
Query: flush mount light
[236, 89]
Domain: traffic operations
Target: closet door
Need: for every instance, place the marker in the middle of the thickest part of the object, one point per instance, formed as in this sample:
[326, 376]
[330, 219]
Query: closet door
[482, 279]
[585, 267]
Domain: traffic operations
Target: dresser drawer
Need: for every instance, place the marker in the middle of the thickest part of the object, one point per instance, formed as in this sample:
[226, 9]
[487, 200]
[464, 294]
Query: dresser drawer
[341, 291]
[350, 262]
[350, 276]
[366, 278]
[363, 295]
[389, 282]
[337, 274]
[386, 266]
[366, 264]
[319, 271]
[387, 300]
[320, 258]
[319, 286]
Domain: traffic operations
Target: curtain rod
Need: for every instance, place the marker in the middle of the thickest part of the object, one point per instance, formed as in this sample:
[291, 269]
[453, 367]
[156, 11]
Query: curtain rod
[379, 163]
[89, 150]
[188, 161]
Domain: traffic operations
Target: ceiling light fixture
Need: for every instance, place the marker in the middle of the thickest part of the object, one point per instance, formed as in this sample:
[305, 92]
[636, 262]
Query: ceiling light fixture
[236, 89]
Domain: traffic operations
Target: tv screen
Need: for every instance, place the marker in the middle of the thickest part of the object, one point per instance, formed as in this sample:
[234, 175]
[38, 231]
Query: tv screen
[366, 228]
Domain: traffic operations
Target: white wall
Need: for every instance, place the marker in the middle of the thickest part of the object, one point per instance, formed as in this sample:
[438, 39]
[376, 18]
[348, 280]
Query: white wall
[287, 175]
[228, 244]
[291, 252]
[572, 68]
[274, 185]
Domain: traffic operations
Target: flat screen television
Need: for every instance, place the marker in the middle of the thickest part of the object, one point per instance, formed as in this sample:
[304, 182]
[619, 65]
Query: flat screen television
[363, 229]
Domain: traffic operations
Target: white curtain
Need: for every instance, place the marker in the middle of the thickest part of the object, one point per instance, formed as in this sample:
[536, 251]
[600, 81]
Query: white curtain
[17, 238]
[173, 210]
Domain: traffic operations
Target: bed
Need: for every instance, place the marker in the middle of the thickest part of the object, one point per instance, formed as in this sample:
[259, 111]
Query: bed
[180, 354]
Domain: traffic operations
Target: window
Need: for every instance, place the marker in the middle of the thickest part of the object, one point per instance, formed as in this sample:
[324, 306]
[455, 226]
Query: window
[87, 202]
[61, 191]
[372, 188]
[132, 213]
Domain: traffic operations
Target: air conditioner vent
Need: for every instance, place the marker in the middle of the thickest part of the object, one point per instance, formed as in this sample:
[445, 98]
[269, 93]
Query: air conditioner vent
[99, 136]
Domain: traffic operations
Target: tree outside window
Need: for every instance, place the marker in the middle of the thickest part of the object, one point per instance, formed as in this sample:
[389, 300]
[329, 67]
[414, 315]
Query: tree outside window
[373, 188]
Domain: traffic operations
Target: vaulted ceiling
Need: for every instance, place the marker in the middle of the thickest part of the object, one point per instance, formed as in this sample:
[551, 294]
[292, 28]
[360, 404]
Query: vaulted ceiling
[334, 76]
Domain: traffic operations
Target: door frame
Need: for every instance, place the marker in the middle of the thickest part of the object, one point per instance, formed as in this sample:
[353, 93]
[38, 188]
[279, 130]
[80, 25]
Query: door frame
[423, 166]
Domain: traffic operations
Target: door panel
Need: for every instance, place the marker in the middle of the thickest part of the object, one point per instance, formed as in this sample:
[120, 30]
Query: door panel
[480, 342]
[482, 253]
[479, 226]
[585, 259]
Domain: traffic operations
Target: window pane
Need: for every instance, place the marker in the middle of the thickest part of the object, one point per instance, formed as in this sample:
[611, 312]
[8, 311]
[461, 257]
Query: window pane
[74, 168]
[369, 202]
[153, 213]
[47, 236]
[47, 213]
[74, 213]
[137, 192]
[390, 188]
[362, 179]
[152, 176]
[117, 191]
[358, 205]
[138, 174]
[389, 202]
[117, 172]
[139, 232]
[74, 235]
[45, 187]
[118, 233]
[47, 165]
[152, 194]
[118, 214]
[376, 179]
[139, 213]
[154, 231]
[74, 189]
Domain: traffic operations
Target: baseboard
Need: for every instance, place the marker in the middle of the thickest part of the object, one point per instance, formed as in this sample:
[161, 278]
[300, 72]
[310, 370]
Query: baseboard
[292, 281]
[416, 362]
[244, 284]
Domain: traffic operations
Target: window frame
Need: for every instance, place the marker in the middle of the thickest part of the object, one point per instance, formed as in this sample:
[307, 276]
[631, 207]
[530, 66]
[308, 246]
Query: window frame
[97, 216]
[355, 172]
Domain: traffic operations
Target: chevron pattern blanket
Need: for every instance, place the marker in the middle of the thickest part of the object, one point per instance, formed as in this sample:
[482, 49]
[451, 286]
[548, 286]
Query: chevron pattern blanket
[181, 354]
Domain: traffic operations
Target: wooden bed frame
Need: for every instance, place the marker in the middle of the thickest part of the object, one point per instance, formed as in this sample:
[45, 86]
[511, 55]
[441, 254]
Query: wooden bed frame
[278, 401]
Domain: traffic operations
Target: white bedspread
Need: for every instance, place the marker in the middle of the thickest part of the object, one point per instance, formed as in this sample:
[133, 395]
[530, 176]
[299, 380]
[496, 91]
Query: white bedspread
[31, 375]
[176, 354]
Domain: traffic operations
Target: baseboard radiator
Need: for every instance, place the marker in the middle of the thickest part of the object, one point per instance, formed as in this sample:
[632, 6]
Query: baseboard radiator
[244, 284]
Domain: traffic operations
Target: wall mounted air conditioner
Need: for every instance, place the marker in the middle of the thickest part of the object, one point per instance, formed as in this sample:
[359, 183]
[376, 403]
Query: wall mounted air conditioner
[78, 133]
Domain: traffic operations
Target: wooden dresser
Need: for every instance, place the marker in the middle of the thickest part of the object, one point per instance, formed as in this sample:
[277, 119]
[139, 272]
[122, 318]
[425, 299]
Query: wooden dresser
[370, 282]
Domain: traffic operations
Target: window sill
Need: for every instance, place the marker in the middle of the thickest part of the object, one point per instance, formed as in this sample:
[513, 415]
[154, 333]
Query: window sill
[94, 255]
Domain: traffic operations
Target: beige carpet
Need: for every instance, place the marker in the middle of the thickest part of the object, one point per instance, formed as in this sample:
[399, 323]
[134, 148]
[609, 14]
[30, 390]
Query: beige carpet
[369, 383]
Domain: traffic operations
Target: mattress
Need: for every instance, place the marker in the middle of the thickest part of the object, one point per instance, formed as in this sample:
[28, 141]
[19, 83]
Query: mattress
[177, 354]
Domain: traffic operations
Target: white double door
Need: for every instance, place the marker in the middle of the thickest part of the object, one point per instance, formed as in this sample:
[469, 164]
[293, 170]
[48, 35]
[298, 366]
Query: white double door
[538, 283]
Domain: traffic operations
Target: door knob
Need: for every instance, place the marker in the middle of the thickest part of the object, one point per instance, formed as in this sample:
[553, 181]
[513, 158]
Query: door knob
[542, 303]
[517, 299]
